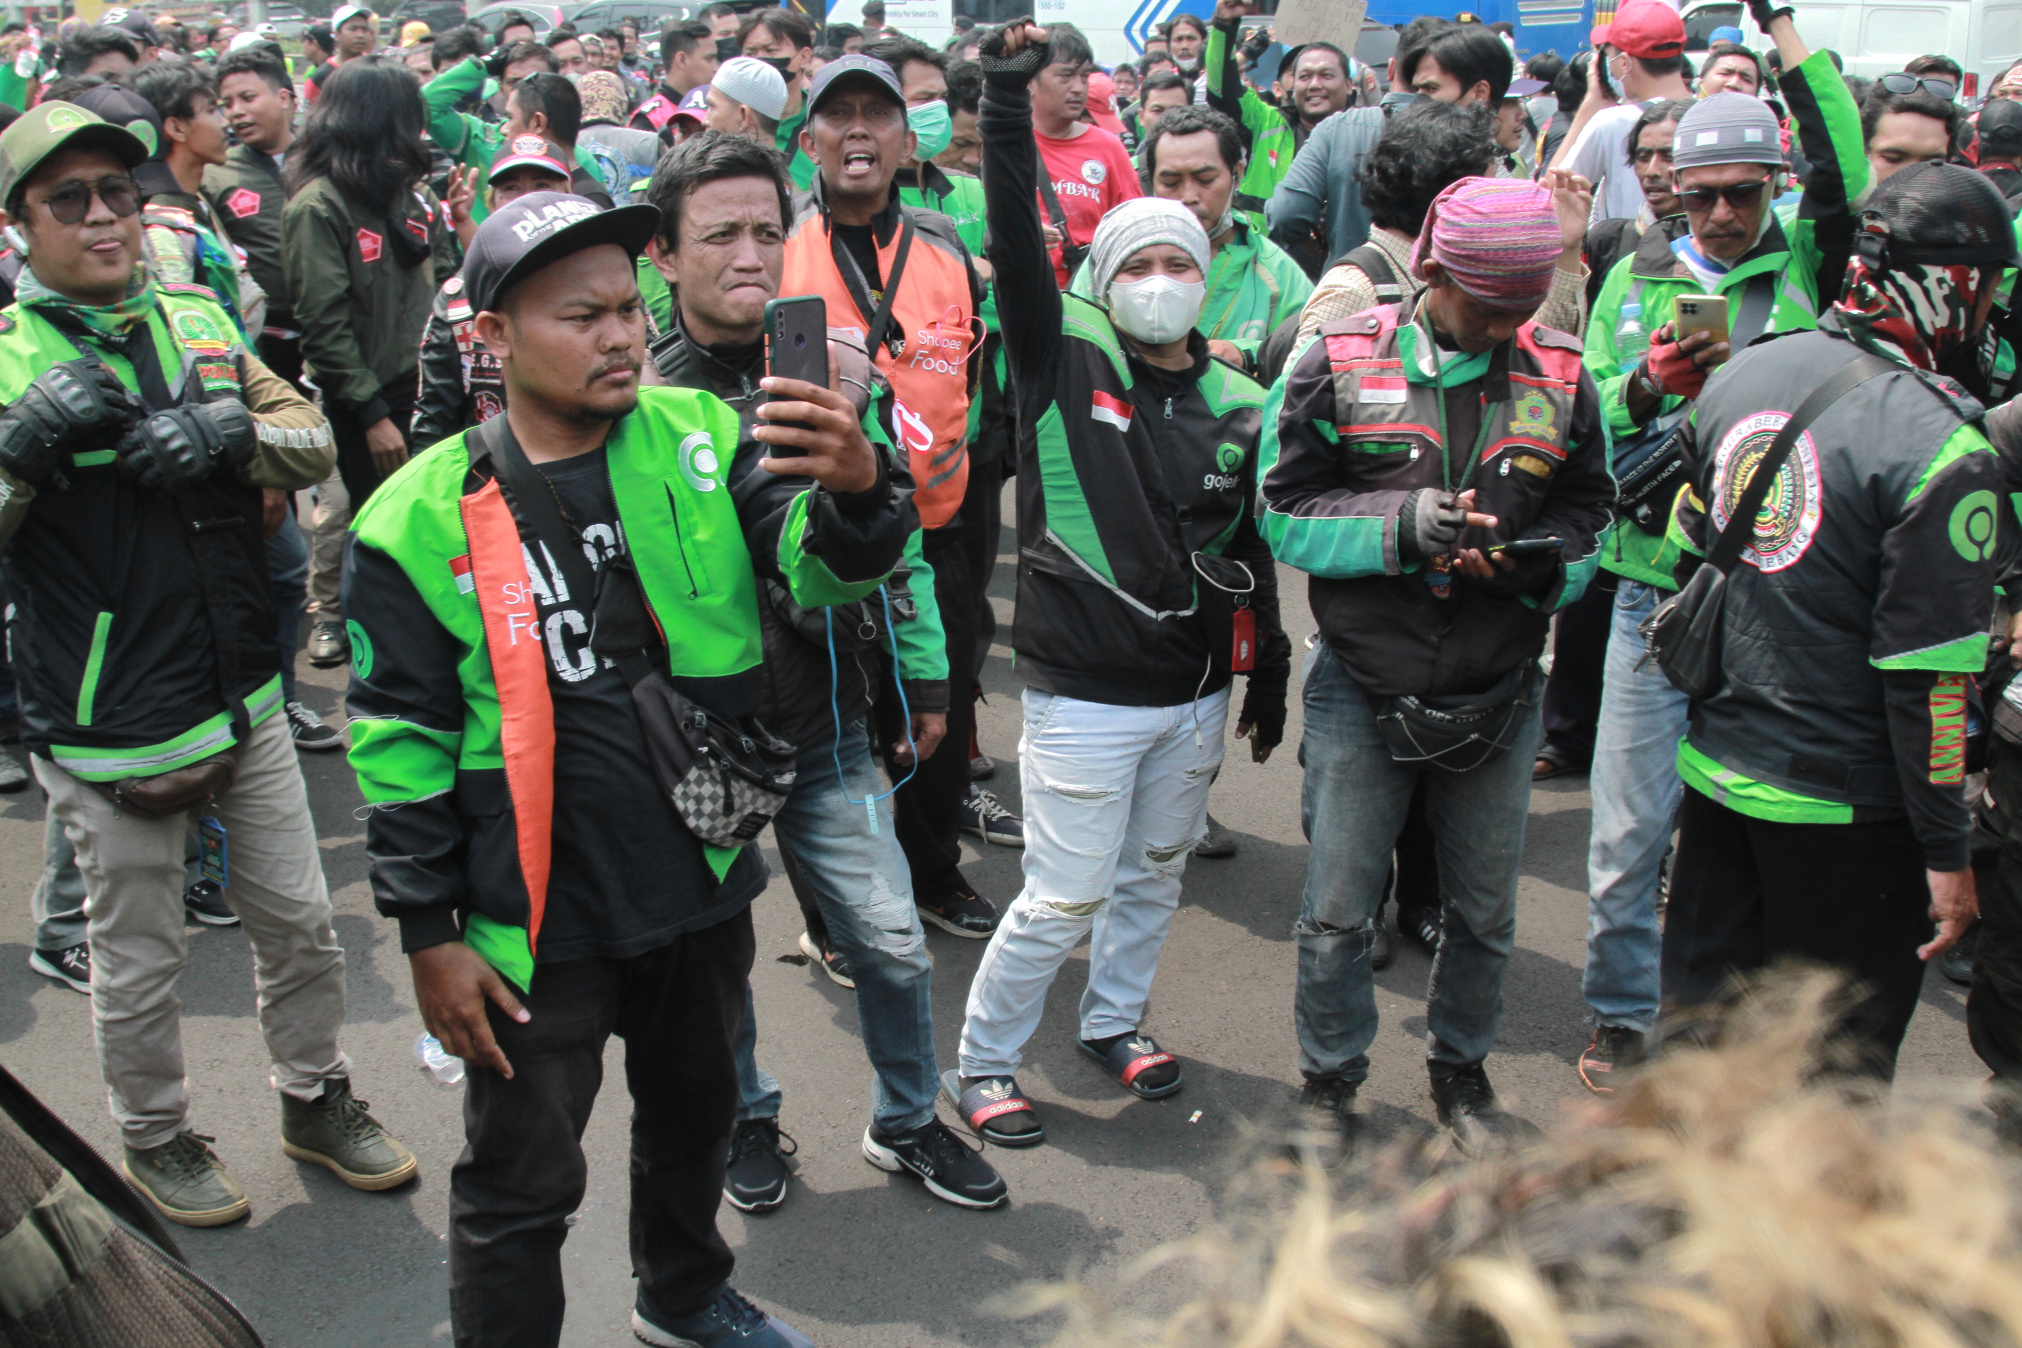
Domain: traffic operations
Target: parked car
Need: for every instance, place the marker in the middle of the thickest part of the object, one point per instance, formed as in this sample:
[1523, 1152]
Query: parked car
[439, 15]
[650, 15]
[543, 17]
[1984, 36]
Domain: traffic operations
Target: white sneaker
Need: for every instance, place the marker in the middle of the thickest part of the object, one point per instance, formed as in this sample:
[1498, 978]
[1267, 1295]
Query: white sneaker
[311, 734]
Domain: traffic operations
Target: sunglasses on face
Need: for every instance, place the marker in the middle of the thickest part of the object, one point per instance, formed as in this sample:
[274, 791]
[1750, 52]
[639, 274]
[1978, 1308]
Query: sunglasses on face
[1741, 196]
[1904, 83]
[71, 201]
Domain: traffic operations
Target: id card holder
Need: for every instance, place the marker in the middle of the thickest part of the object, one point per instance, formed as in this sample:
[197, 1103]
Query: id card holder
[1243, 658]
[212, 861]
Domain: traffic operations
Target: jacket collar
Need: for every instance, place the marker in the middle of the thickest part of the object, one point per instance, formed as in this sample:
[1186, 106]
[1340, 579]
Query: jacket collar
[686, 363]
[242, 155]
[883, 226]
[1654, 258]
[932, 180]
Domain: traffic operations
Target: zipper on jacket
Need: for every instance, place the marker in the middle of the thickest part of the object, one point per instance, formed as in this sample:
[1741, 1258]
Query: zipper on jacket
[1168, 409]
[94, 665]
[681, 543]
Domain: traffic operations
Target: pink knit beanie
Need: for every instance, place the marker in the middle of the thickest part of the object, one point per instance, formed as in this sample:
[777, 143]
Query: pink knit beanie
[1497, 237]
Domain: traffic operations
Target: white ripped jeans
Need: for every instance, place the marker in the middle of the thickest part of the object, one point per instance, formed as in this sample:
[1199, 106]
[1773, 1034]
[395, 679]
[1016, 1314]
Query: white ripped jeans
[1115, 800]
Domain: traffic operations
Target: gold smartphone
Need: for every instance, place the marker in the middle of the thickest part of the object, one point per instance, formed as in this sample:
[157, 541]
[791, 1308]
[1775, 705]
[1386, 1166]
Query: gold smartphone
[1699, 313]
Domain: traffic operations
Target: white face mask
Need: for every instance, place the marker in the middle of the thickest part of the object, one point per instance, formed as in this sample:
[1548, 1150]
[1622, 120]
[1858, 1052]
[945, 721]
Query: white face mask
[1157, 309]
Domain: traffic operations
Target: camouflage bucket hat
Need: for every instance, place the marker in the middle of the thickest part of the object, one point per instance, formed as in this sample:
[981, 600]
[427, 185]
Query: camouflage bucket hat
[49, 127]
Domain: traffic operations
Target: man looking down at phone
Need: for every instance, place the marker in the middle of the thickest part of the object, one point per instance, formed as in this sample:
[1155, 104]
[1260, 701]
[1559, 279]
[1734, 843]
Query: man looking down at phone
[1141, 566]
[1826, 819]
[724, 208]
[900, 279]
[1438, 469]
[554, 880]
[1726, 242]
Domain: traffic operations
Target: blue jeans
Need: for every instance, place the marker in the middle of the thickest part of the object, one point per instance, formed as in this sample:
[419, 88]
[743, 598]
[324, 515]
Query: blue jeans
[1352, 809]
[864, 888]
[288, 579]
[1636, 792]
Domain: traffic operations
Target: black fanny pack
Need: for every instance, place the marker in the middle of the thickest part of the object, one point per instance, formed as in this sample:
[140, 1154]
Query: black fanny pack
[1650, 467]
[1458, 731]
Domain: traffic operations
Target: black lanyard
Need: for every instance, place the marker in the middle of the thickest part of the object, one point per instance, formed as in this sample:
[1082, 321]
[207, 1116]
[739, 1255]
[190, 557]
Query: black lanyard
[854, 281]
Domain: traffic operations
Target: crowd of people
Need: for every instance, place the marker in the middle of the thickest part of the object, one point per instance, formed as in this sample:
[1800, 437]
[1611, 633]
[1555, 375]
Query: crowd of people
[655, 398]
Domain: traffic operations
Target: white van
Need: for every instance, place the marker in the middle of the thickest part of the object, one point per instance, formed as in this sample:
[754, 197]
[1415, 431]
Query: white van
[1984, 36]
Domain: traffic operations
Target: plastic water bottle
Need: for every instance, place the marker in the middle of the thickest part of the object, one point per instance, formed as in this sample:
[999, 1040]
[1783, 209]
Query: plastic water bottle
[445, 1069]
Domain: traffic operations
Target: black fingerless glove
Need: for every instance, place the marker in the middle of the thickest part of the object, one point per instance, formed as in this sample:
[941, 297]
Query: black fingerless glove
[1017, 69]
[67, 408]
[184, 445]
[495, 64]
[1764, 12]
[1264, 705]
[1428, 523]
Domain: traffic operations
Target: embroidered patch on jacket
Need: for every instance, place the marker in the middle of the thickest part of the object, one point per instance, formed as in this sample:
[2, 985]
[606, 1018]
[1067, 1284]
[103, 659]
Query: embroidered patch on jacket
[1380, 388]
[1948, 730]
[196, 331]
[459, 567]
[218, 377]
[1533, 415]
[243, 203]
[370, 245]
[1115, 411]
[1532, 464]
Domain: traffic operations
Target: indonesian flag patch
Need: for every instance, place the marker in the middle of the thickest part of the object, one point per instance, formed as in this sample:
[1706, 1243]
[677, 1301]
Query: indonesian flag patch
[243, 203]
[369, 245]
[1381, 388]
[1115, 411]
[460, 568]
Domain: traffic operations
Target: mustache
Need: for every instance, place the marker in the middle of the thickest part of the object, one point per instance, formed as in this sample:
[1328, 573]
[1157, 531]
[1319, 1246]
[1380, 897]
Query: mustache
[627, 362]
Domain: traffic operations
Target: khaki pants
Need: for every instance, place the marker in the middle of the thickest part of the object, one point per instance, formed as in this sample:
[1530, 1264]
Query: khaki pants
[133, 880]
[330, 522]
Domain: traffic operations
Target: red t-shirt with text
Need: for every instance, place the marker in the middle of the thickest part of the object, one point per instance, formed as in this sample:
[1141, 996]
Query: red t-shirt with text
[1091, 173]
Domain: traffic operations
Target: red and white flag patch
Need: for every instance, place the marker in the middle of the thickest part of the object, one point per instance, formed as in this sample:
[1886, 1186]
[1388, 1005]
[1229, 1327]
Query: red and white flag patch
[1381, 388]
[370, 245]
[459, 567]
[244, 203]
[1115, 411]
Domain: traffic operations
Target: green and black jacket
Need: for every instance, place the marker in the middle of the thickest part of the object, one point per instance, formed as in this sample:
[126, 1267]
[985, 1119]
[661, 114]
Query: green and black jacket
[123, 671]
[1127, 473]
[452, 731]
[1272, 138]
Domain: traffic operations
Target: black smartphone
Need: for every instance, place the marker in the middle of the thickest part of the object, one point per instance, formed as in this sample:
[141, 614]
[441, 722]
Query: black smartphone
[796, 341]
[1525, 547]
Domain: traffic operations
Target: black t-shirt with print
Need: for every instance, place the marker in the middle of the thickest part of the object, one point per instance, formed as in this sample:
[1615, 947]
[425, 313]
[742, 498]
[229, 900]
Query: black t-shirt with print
[627, 876]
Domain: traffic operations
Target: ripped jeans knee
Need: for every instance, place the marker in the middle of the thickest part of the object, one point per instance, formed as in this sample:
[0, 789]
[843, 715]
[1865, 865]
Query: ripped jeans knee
[886, 922]
[1313, 931]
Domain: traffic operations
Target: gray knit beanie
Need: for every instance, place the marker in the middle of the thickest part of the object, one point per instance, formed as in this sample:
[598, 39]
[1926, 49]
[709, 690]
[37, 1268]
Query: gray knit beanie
[1140, 223]
[1727, 128]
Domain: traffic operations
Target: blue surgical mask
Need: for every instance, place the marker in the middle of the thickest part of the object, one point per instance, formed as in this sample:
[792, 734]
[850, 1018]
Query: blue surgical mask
[933, 125]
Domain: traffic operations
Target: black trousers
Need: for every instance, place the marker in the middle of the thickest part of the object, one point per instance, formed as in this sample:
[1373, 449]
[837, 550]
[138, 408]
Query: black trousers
[354, 459]
[1747, 893]
[522, 1171]
[928, 809]
[1579, 655]
[1994, 1005]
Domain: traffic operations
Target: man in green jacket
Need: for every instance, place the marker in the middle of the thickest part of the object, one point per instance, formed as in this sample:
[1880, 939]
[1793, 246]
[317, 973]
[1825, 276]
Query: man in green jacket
[472, 142]
[1194, 156]
[1320, 88]
[1775, 276]
[550, 888]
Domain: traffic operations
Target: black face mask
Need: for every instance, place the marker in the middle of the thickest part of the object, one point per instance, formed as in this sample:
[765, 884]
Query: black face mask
[1972, 363]
[726, 49]
[779, 63]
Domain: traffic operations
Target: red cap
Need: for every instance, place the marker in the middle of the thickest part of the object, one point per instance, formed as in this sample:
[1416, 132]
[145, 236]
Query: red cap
[1650, 30]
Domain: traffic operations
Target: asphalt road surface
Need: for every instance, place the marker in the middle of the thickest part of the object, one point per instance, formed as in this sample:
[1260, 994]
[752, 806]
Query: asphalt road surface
[855, 1258]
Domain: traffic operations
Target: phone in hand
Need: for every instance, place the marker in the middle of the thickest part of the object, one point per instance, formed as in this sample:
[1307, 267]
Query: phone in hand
[796, 342]
[1528, 547]
[1699, 313]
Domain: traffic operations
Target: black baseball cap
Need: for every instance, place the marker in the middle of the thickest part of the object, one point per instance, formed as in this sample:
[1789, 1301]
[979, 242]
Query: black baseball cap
[854, 68]
[2001, 126]
[528, 233]
[123, 107]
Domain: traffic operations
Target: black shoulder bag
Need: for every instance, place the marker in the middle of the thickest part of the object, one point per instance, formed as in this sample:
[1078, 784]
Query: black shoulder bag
[1684, 635]
[725, 775]
[1072, 253]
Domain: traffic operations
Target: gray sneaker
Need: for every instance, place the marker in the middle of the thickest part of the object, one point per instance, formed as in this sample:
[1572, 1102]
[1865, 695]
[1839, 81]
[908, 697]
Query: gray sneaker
[335, 1132]
[13, 777]
[187, 1182]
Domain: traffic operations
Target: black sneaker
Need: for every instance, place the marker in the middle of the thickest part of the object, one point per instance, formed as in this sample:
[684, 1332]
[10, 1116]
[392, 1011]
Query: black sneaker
[1614, 1050]
[328, 644]
[1382, 946]
[1330, 1126]
[755, 1180]
[986, 817]
[952, 1171]
[71, 967]
[13, 777]
[1421, 924]
[311, 734]
[961, 913]
[835, 966]
[1467, 1109]
[205, 902]
[729, 1321]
